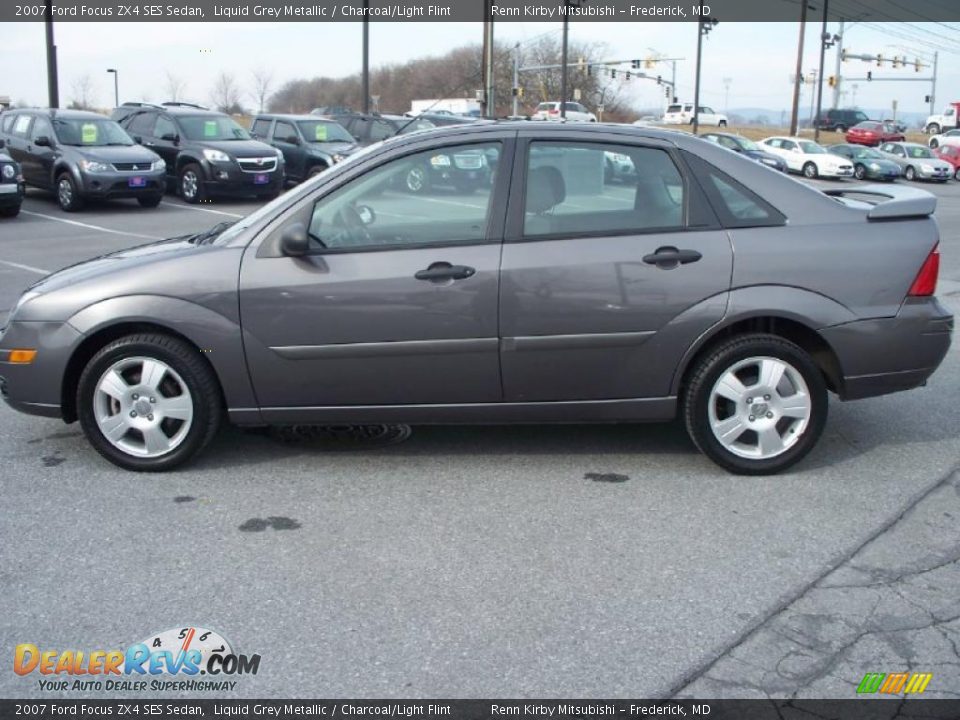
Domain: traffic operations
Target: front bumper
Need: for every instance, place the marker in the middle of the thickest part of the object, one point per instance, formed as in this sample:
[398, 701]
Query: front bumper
[11, 194]
[837, 172]
[114, 184]
[36, 388]
[886, 355]
[229, 179]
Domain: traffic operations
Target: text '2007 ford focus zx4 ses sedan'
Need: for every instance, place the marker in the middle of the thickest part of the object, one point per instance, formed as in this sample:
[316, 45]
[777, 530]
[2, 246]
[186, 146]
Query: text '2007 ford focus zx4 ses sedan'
[707, 285]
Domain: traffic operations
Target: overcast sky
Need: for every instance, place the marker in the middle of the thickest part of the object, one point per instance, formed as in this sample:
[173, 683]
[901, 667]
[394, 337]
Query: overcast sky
[758, 59]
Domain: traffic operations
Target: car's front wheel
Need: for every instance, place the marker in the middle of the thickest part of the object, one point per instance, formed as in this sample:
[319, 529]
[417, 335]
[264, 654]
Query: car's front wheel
[756, 404]
[148, 402]
[859, 171]
[910, 173]
[416, 180]
[68, 194]
[723, 123]
[191, 184]
[810, 170]
[10, 211]
[934, 143]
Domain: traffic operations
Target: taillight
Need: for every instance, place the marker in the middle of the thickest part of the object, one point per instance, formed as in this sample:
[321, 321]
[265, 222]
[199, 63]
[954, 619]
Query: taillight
[926, 283]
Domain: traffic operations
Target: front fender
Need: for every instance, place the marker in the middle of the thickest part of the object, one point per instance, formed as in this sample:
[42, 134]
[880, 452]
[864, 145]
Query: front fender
[217, 337]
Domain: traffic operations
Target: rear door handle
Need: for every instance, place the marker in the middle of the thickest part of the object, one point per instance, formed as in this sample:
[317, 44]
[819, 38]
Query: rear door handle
[442, 271]
[669, 257]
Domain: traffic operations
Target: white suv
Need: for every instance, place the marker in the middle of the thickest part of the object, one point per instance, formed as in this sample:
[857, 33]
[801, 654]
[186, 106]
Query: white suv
[682, 114]
[575, 111]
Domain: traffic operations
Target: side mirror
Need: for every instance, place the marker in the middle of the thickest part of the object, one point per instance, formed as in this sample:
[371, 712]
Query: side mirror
[170, 137]
[293, 140]
[42, 141]
[138, 139]
[294, 242]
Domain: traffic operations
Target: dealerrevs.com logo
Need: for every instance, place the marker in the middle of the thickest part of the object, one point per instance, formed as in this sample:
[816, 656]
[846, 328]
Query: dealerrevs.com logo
[171, 660]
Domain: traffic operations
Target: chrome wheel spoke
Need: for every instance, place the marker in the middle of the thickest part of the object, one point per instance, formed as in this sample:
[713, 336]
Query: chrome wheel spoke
[771, 373]
[178, 408]
[770, 443]
[155, 441]
[796, 406]
[729, 431]
[114, 427]
[151, 374]
[114, 385]
[731, 388]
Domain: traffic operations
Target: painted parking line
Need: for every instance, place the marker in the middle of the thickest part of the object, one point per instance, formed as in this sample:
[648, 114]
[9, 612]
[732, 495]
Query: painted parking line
[98, 228]
[28, 268]
[200, 209]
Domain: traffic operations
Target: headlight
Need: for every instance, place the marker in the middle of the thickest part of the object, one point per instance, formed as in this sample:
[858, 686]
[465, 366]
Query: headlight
[215, 155]
[875, 167]
[9, 172]
[160, 164]
[926, 168]
[94, 166]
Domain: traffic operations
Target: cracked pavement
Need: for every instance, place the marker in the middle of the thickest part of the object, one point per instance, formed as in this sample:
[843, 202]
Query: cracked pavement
[894, 606]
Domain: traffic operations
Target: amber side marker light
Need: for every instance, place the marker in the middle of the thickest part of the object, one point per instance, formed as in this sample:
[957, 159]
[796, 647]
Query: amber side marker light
[21, 357]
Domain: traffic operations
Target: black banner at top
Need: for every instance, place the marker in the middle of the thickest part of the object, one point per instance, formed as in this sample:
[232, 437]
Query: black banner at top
[915, 11]
[853, 709]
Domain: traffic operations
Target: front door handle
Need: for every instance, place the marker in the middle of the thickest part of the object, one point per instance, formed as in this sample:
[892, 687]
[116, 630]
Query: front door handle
[668, 257]
[443, 271]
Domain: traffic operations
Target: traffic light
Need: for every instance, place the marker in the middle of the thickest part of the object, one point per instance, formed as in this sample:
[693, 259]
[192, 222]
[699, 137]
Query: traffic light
[879, 60]
[832, 81]
[869, 75]
[927, 98]
[635, 64]
[628, 74]
[916, 65]
[613, 73]
[659, 80]
[895, 62]
[589, 70]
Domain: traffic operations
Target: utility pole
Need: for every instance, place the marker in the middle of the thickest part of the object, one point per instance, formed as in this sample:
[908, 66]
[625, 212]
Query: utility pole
[933, 84]
[516, 79]
[366, 57]
[726, 95]
[826, 40]
[53, 90]
[704, 26]
[116, 86]
[486, 70]
[836, 88]
[795, 111]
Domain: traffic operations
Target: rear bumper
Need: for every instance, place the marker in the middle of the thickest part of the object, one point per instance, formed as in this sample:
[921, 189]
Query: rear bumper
[886, 355]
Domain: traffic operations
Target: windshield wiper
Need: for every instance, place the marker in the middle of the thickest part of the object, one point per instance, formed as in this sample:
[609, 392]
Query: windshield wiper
[209, 235]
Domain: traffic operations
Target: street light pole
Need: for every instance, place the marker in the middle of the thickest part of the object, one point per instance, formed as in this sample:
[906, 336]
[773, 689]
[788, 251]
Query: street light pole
[563, 65]
[704, 26]
[366, 58]
[116, 86]
[826, 41]
[795, 111]
[53, 90]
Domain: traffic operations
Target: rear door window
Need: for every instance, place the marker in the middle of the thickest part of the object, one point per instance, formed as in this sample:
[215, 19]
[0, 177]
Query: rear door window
[261, 128]
[284, 132]
[21, 125]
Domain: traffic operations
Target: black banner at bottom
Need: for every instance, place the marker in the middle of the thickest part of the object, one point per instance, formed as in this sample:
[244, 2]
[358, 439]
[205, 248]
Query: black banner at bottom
[852, 709]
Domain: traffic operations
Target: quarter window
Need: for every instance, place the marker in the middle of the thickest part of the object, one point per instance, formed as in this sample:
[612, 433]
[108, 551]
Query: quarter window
[21, 125]
[440, 196]
[260, 128]
[164, 126]
[590, 188]
[283, 132]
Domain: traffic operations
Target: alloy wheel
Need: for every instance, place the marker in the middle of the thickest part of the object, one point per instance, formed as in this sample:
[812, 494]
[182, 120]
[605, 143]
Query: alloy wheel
[65, 192]
[189, 184]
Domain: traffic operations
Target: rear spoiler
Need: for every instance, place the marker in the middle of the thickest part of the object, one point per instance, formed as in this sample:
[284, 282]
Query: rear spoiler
[899, 202]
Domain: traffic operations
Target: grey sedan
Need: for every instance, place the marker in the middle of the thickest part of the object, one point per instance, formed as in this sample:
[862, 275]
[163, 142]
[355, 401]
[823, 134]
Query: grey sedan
[918, 161]
[705, 287]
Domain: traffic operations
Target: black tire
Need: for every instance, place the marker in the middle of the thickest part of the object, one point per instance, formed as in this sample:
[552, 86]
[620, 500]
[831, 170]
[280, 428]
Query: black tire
[315, 170]
[190, 184]
[723, 123]
[933, 129]
[810, 170]
[716, 362]
[10, 211]
[68, 194]
[417, 180]
[196, 374]
[934, 143]
[149, 201]
[910, 173]
[956, 176]
[859, 171]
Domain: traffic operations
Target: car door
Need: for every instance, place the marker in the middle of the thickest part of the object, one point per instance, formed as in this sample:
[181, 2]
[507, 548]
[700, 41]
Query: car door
[38, 159]
[396, 301]
[707, 116]
[792, 154]
[604, 286]
[165, 141]
[18, 138]
[286, 139]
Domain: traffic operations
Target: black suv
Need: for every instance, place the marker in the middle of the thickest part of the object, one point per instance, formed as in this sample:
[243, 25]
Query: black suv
[207, 153]
[368, 129]
[11, 185]
[309, 144]
[81, 155]
[840, 120]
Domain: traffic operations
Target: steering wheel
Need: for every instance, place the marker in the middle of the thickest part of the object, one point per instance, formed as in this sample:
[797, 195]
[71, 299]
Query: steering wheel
[349, 220]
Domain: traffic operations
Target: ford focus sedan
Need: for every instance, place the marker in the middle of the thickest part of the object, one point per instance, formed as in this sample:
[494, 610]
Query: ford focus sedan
[707, 287]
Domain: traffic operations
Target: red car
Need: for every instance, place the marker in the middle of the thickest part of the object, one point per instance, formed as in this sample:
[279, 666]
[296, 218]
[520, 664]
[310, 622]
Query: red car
[871, 132]
[950, 154]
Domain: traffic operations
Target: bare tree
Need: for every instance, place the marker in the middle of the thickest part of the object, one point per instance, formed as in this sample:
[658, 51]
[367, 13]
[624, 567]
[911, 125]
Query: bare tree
[83, 93]
[174, 87]
[262, 83]
[226, 93]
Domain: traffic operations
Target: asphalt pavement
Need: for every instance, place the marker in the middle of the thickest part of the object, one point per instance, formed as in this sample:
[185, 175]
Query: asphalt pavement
[569, 561]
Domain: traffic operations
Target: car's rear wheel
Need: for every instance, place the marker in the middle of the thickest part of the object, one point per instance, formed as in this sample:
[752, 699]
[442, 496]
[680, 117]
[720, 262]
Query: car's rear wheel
[810, 170]
[723, 123]
[910, 173]
[148, 402]
[10, 211]
[859, 171]
[190, 184]
[756, 404]
[933, 129]
[956, 176]
[149, 201]
[68, 195]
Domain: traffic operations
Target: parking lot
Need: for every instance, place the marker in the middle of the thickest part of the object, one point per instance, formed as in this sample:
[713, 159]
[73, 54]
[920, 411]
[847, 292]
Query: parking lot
[537, 561]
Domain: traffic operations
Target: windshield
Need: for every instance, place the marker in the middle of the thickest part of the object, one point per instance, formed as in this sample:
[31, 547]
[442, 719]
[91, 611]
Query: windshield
[918, 151]
[90, 133]
[811, 148]
[865, 153]
[324, 131]
[212, 127]
[747, 144]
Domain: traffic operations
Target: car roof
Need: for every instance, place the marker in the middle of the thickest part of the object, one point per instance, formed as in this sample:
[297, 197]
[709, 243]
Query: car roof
[294, 116]
[66, 114]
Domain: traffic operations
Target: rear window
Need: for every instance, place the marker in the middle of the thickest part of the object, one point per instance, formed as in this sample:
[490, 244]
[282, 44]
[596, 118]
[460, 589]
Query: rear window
[545, 106]
[674, 109]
